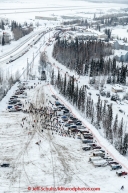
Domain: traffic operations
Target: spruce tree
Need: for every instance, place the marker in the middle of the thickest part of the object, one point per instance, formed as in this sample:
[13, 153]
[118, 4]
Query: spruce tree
[98, 112]
[125, 144]
[3, 41]
[52, 77]
[115, 126]
[65, 82]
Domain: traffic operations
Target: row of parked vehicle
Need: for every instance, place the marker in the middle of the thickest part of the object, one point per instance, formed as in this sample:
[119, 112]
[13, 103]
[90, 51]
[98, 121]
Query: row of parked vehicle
[99, 157]
[15, 104]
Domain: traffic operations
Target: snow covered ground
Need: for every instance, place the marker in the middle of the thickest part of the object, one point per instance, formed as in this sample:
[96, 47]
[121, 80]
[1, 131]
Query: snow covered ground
[58, 161]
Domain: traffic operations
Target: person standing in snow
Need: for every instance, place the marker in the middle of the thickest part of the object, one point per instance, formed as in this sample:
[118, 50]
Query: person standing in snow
[122, 187]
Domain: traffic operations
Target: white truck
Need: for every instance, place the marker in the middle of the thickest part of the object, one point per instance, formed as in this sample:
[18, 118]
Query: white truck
[100, 163]
[95, 158]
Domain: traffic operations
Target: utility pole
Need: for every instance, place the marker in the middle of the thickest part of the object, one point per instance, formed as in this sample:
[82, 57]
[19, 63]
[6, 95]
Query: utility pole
[27, 69]
[33, 60]
[49, 36]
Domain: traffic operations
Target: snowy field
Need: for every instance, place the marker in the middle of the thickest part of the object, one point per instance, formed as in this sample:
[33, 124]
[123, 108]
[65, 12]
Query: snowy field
[59, 8]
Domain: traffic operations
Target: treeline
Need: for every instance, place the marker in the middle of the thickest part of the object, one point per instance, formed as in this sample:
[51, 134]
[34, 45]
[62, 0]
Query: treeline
[6, 81]
[99, 114]
[19, 31]
[108, 33]
[113, 20]
[79, 56]
[2, 25]
[76, 21]
[116, 74]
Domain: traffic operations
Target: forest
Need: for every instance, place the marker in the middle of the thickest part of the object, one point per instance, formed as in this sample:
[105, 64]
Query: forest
[18, 31]
[100, 114]
[87, 59]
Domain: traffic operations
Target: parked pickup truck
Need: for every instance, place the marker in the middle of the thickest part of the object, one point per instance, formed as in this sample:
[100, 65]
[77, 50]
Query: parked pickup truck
[100, 163]
[95, 158]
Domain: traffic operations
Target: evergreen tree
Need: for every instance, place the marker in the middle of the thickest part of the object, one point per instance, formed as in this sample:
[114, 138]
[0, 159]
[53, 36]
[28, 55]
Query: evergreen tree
[125, 144]
[52, 77]
[3, 28]
[115, 126]
[120, 136]
[65, 82]
[75, 97]
[3, 41]
[98, 112]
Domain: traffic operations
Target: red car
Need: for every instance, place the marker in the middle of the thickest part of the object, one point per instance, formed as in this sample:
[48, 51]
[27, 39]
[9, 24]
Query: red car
[121, 173]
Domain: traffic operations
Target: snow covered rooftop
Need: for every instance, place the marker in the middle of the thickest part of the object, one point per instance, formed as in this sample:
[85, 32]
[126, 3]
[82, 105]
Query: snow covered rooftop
[117, 88]
[120, 52]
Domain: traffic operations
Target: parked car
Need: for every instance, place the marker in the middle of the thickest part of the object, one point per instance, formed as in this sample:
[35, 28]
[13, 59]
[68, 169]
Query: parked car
[96, 147]
[59, 113]
[78, 123]
[121, 173]
[72, 127]
[10, 106]
[71, 117]
[74, 119]
[64, 118]
[14, 96]
[14, 100]
[95, 158]
[86, 148]
[18, 109]
[57, 103]
[18, 93]
[87, 141]
[12, 110]
[88, 137]
[86, 132]
[98, 153]
[22, 96]
[70, 121]
[67, 124]
[65, 109]
[100, 163]
[115, 166]
[18, 104]
[113, 162]
[11, 102]
[92, 144]
[108, 158]
[61, 107]
[5, 165]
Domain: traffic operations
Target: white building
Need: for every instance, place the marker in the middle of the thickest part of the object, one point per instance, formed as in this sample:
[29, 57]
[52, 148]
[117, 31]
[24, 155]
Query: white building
[46, 18]
[121, 55]
[117, 88]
